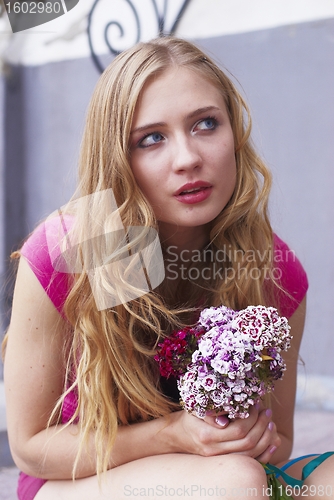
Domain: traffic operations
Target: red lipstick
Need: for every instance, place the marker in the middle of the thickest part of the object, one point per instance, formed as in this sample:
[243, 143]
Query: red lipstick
[193, 192]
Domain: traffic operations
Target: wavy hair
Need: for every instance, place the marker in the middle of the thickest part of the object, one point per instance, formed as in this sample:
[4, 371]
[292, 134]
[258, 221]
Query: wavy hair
[111, 350]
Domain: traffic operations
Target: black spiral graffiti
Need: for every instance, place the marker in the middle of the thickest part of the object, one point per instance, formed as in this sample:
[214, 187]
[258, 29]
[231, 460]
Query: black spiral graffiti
[160, 25]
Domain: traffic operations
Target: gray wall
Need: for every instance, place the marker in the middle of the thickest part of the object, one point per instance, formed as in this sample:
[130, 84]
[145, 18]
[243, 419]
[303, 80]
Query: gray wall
[2, 214]
[2, 198]
[287, 75]
[44, 112]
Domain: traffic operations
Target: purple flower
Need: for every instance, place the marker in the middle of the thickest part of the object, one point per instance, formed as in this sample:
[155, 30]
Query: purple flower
[228, 361]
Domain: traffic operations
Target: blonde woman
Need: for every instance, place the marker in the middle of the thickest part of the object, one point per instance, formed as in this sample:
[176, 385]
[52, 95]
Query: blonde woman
[167, 144]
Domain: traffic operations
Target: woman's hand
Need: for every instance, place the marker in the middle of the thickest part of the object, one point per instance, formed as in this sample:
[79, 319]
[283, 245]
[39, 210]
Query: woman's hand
[255, 436]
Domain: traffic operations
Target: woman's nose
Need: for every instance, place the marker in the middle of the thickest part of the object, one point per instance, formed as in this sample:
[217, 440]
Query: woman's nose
[186, 155]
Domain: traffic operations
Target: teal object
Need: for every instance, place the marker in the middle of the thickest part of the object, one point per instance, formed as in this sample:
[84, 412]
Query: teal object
[277, 490]
[307, 469]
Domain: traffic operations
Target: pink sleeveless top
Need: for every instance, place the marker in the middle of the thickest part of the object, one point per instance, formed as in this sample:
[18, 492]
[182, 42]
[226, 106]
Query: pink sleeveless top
[45, 241]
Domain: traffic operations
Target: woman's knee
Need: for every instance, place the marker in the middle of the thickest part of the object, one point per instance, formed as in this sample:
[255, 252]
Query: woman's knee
[238, 475]
[246, 469]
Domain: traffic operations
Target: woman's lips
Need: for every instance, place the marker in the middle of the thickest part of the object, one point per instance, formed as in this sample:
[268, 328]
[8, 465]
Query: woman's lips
[196, 195]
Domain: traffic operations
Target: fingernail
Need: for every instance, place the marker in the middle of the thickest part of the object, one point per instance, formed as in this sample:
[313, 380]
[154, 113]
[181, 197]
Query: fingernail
[272, 449]
[271, 426]
[269, 413]
[222, 420]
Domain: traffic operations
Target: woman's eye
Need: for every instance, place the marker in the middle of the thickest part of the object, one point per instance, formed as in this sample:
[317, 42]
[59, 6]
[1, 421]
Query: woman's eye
[150, 140]
[207, 124]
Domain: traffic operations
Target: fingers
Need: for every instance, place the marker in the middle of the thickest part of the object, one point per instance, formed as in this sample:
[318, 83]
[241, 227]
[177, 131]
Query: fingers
[238, 429]
[223, 436]
[268, 444]
[263, 446]
[234, 430]
[252, 440]
[220, 420]
[274, 440]
[255, 436]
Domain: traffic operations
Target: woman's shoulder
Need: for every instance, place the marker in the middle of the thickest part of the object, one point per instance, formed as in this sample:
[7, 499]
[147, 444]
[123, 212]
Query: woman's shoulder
[43, 250]
[290, 275]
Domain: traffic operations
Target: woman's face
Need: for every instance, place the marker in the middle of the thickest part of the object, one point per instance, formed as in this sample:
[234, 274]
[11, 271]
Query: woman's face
[182, 150]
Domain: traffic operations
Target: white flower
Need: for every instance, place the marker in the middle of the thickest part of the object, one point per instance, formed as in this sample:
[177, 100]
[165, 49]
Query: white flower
[205, 346]
[209, 382]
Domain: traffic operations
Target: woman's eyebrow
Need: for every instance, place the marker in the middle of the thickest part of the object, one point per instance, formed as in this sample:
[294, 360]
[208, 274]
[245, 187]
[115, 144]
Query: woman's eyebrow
[199, 111]
[149, 125]
[163, 124]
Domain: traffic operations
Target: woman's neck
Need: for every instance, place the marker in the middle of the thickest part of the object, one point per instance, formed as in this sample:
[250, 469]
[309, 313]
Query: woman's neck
[184, 238]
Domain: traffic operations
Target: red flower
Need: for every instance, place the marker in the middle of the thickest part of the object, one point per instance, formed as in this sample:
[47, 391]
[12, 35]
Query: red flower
[174, 353]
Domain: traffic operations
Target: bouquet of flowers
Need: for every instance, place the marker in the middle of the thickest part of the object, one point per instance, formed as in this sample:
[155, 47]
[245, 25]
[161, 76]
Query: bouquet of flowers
[227, 362]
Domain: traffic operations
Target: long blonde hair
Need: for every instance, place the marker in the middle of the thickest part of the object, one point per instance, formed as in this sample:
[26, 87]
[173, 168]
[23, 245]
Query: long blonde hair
[112, 349]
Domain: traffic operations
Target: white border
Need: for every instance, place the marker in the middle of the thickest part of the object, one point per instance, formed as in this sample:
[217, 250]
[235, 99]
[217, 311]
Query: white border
[65, 37]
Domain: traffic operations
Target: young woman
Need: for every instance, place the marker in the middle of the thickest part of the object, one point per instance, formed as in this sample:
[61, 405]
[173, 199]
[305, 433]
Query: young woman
[165, 143]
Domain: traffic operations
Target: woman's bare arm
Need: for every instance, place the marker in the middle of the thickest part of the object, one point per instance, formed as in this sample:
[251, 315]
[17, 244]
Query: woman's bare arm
[283, 398]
